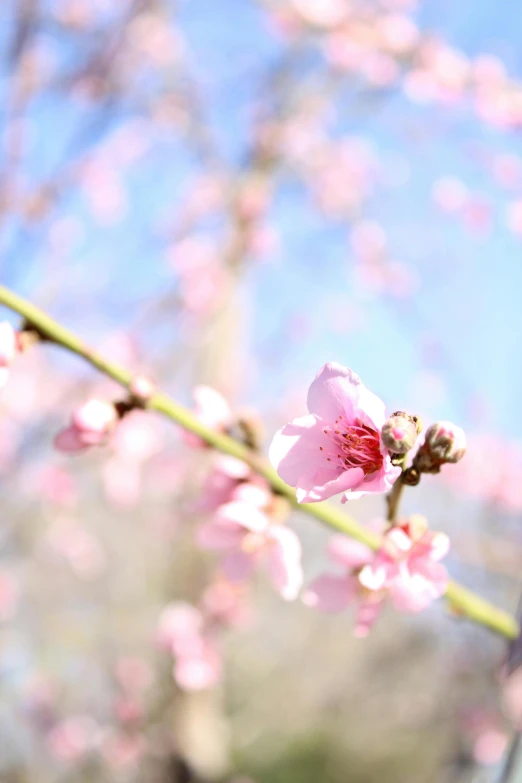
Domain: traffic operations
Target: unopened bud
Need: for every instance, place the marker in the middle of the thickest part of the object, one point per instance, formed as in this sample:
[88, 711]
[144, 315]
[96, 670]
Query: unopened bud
[400, 432]
[445, 442]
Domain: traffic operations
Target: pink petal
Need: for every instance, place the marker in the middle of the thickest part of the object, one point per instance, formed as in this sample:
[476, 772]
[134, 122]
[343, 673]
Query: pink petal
[220, 535]
[349, 552]
[370, 409]
[4, 376]
[439, 546]
[380, 481]
[330, 593]
[232, 467]
[412, 592]
[375, 576]
[291, 452]
[94, 416]
[284, 561]
[69, 440]
[432, 571]
[334, 392]
[238, 565]
[310, 491]
[198, 672]
[397, 542]
[252, 494]
[249, 517]
[178, 620]
[211, 407]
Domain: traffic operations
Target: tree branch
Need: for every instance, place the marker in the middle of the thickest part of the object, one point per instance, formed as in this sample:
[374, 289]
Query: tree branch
[462, 601]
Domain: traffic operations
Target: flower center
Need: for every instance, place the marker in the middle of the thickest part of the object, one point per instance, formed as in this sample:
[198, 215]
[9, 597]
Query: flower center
[354, 446]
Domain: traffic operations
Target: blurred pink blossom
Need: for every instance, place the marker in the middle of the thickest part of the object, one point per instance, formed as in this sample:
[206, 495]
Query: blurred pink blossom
[181, 630]
[405, 569]
[407, 565]
[91, 425]
[246, 535]
[201, 276]
[212, 410]
[226, 602]
[450, 194]
[337, 447]
[226, 475]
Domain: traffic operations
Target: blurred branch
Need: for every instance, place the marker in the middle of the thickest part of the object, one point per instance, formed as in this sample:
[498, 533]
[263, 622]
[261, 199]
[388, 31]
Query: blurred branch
[462, 601]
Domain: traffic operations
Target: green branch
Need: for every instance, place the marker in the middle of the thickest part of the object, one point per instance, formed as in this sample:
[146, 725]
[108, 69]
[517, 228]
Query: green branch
[462, 601]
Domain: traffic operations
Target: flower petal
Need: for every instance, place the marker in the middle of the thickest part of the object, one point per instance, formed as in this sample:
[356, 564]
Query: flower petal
[284, 561]
[310, 490]
[211, 407]
[349, 552]
[69, 440]
[219, 535]
[330, 593]
[238, 565]
[247, 516]
[334, 392]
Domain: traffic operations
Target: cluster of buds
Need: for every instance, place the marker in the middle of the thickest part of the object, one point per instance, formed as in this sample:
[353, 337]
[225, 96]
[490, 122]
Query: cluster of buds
[443, 442]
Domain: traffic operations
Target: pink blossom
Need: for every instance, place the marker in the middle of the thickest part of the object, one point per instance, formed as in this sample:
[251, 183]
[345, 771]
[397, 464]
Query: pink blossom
[8, 349]
[407, 565]
[90, 425]
[225, 602]
[337, 447]
[201, 276]
[227, 474]
[333, 593]
[197, 661]
[406, 570]
[212, 410]
[244, 532]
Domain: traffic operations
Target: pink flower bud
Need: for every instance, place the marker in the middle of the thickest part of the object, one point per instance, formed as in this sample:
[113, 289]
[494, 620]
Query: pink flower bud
[445, 442]
[90, 425]
[400, 432]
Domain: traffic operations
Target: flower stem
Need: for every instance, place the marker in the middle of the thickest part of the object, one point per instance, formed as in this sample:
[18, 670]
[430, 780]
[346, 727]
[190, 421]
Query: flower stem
[393, 499]
[462, 601]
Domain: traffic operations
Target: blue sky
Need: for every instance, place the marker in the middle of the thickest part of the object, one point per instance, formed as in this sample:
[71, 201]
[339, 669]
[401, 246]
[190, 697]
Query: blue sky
[467, 309]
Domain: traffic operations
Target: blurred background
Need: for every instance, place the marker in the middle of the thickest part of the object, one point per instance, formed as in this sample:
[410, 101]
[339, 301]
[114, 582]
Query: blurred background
[233, 192]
